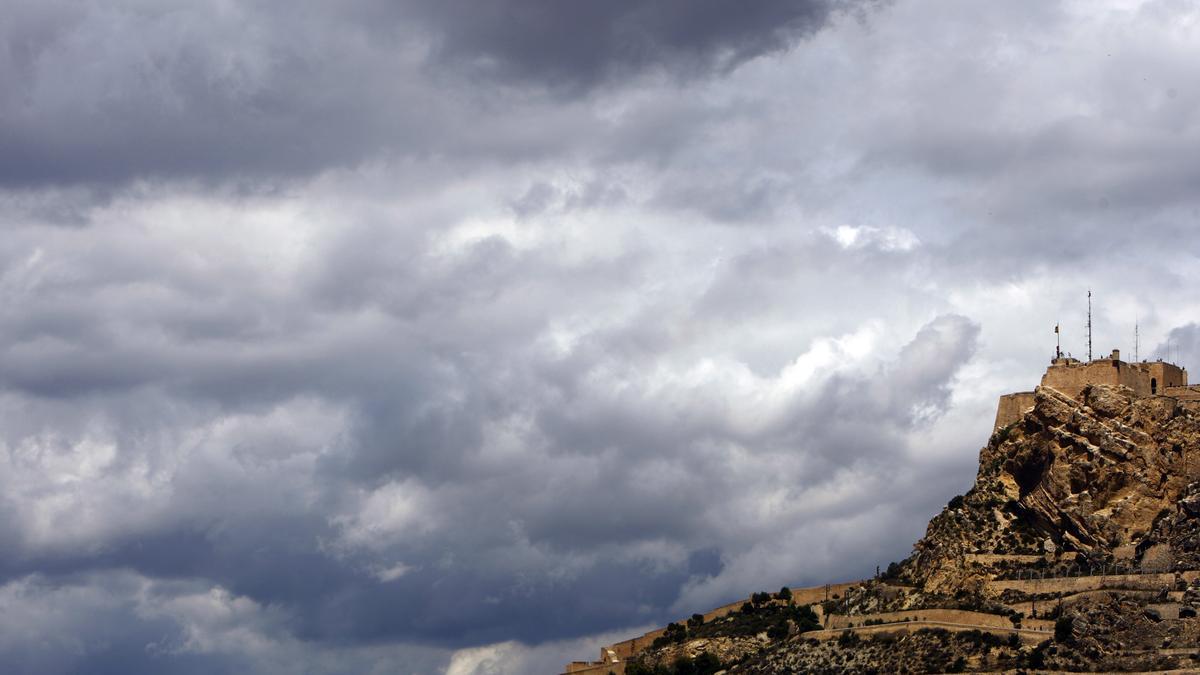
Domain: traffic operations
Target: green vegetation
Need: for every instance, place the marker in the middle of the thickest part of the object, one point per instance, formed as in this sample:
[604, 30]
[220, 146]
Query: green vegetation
[805, 618]
[762, 598]
[770, 618]
[675, 633]
[704, 664]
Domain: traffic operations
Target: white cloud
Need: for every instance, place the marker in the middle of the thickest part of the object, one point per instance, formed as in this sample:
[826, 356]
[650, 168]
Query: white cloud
[885, 239]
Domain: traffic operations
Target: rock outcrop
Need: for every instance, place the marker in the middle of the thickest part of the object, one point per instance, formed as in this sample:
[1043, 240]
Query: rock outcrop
[1103, 479]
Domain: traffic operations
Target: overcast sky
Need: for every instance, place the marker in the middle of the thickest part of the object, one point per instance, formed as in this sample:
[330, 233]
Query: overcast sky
[448, 336]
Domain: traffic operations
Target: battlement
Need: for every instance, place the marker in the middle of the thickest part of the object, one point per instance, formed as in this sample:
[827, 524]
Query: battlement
[1071, 376]
[1145, 378]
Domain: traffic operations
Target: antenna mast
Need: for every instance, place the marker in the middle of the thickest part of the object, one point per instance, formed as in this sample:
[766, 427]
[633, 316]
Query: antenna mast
[1089, 325]
[1135, 340]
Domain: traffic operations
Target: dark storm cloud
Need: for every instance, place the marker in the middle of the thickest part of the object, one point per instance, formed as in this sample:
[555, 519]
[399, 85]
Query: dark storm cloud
[577, 45]
[255, 92]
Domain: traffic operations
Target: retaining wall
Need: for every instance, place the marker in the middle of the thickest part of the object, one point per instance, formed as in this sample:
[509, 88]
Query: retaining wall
[1025, 635]
[954, 616]
[1078, 584]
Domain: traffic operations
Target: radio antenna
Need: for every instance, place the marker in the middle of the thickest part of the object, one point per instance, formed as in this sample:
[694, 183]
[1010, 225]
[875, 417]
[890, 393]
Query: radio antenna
[1135, 340]
[1089, 325]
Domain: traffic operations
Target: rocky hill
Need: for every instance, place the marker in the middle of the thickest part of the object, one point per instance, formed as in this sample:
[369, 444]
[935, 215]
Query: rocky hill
[1077, 549]
[1103, 479]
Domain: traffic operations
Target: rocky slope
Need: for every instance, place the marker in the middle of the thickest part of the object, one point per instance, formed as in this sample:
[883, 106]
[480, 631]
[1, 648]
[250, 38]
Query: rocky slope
[1103, 488]
[1103, 479]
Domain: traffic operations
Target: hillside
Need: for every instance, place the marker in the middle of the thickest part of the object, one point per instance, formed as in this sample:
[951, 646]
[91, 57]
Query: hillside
[1077, 549]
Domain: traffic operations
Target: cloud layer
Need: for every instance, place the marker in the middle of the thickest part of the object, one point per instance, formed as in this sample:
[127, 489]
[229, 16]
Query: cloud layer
[417, 338]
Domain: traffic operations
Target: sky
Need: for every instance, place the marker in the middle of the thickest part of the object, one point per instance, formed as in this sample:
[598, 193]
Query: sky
[439, 336]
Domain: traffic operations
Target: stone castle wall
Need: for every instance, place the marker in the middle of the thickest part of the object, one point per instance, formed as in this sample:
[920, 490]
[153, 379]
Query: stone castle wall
[1012, 408]
[1071, 378]
[1164, 375]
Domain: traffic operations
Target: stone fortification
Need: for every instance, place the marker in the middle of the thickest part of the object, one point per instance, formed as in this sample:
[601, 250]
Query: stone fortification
[1012, 407]
[1071, 376]
[1145, 378]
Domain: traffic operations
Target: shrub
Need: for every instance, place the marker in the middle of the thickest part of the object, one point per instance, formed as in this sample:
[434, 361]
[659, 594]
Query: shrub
[1037, 658]
[684, 666]
[784, 593]
[696, 620]
[706, 664]
[1064, 629]
[848, 639]
[778, 631]
[892, 571]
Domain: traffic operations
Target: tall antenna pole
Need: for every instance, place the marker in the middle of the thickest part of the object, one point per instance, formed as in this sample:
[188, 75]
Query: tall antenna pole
[1135, 340]
[1089, 325]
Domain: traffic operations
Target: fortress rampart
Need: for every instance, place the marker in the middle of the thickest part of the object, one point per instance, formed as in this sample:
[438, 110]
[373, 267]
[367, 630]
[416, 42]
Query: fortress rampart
[1070, 376]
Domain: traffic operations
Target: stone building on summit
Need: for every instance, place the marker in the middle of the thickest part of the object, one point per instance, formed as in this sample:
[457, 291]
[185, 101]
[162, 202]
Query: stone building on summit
[1070, 376]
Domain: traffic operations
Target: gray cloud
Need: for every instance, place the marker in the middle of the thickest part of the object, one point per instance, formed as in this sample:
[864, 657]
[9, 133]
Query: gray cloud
[263, 92]
[395, 338]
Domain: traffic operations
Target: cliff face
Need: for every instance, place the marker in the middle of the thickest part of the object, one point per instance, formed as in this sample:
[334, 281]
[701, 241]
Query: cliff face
[1099, 479]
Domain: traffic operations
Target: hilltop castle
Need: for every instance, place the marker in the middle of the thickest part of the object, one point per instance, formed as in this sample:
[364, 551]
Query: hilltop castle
[1070, 376]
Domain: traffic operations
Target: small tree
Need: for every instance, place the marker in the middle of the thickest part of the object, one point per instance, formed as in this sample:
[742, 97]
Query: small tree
[784, 593]
[1015, 618]
[695, 621]
[805, 618]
